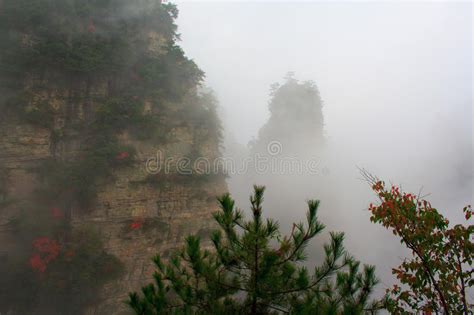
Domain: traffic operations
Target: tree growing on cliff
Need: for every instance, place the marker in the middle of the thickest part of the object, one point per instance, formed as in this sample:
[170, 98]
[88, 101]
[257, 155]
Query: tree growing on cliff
[296, 118]
[252, 269]
[437, 276]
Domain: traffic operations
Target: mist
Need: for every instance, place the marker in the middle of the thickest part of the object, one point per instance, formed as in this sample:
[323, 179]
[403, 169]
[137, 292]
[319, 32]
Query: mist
[396, 82]
[102, 101]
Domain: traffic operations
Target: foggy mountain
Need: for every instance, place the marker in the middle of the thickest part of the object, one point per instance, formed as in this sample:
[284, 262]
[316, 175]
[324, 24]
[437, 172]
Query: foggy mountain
[396, 83]
[116, 116]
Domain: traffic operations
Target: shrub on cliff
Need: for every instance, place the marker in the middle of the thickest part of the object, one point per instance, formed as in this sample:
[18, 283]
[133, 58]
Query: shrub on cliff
[252, 269]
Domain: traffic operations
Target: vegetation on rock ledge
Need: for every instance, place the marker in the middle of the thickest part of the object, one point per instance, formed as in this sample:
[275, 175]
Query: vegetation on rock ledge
[89, 72]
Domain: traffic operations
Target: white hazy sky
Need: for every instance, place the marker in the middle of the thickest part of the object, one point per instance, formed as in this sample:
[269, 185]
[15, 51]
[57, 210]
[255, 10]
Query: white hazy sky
[395, 77]
[374, 63]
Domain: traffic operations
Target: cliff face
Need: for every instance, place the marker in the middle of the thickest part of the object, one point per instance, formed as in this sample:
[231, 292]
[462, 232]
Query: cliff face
[91, 91]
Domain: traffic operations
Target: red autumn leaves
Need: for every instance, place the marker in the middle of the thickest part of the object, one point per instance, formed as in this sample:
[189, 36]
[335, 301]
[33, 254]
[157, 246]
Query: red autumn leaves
[403, 212]
[435, 274]
[467, 212]
[136, 224]
[45, 251]
[122, 156]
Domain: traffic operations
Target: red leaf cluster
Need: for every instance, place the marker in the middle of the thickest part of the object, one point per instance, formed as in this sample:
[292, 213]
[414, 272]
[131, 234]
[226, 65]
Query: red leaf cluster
[122, 155]
[37, 264]
[137, 224]
[46, 250]
[436, 274]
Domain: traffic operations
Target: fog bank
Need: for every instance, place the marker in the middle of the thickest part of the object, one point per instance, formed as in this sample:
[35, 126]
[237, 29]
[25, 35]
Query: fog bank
[396, 81]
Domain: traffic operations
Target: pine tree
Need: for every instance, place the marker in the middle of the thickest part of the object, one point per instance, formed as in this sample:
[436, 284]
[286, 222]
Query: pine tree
[252, 269]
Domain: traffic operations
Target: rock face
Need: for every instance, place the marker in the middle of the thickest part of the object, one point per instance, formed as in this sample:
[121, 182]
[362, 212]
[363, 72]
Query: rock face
[166, 214]
[80, 124]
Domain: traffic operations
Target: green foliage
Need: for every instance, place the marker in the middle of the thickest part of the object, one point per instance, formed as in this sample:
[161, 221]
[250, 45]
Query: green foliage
[167, 76]
[203, 114]
[78, 36]
[439, 274]
[39, 114]
[252, 269]
[75, 39]
[116, 114]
